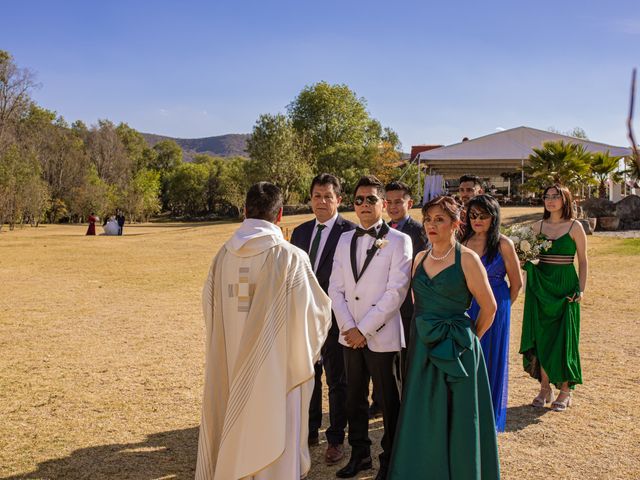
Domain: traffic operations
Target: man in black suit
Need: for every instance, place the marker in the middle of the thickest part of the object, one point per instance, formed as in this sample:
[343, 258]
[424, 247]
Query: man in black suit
[319, 237]
[399, 202]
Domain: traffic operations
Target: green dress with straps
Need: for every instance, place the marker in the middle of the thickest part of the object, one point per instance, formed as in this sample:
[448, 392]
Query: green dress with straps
[446, 429]
[551, 324]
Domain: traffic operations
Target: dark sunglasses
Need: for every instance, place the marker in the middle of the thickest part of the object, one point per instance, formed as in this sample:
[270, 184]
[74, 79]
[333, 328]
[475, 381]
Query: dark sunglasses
[370, 199]
[479, 216]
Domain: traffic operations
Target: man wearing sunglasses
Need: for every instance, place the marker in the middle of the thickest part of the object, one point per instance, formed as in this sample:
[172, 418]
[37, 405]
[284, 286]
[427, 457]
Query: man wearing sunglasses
[369, 283]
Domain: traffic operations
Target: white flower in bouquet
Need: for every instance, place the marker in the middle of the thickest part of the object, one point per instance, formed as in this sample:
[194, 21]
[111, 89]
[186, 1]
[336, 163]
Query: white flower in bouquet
[528, 244]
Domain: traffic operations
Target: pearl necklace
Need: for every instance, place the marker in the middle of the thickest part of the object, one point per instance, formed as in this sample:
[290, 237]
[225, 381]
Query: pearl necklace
[442, 257]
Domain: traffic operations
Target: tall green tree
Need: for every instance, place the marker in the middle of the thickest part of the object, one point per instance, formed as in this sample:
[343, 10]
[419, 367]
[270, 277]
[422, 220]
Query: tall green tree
[187, 189]
[338, 126]
[168, 156]
[557, 162]
[140, 200]
[604, 167]
[137, 148]
[234, 184]
[279, 154]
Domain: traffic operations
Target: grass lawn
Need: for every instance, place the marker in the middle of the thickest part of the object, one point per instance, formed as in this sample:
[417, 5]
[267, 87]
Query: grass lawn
[102, 352]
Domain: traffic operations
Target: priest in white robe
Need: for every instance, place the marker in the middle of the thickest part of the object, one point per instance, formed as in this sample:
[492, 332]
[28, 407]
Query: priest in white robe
[266, 319]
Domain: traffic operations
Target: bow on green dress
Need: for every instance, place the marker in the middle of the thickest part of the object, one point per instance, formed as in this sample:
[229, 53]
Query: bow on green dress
[446, 428]
[551, 324]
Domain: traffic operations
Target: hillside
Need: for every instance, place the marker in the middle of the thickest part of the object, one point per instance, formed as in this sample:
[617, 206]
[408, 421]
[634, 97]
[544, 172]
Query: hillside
[230, 145]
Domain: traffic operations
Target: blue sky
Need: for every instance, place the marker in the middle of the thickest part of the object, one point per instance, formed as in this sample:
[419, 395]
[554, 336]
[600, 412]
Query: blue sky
[432, 71]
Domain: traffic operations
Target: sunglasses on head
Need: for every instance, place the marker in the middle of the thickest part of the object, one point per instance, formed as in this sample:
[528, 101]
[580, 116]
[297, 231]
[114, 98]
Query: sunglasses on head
[479, 216]
[370, 199]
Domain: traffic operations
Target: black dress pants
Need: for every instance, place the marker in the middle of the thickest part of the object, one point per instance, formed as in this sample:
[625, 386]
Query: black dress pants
[382, 367]
[333, 363]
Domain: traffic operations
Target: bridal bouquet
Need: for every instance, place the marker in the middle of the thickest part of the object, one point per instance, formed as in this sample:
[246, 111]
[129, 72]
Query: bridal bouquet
[529, 245]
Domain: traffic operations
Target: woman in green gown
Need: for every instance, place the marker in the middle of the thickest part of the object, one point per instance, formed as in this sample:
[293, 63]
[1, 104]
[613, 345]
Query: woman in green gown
[551, 321]
[446, 429]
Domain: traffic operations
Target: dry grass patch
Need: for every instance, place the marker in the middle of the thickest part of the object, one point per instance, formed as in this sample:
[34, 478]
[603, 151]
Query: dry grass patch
[101, 360]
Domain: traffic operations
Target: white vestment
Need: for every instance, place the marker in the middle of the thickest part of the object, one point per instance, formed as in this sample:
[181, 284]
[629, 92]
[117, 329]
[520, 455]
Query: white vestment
[266, 319]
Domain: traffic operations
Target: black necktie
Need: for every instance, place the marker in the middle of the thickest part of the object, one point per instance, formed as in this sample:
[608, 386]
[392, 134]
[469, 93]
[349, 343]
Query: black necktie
[313, 253]
[361, 232]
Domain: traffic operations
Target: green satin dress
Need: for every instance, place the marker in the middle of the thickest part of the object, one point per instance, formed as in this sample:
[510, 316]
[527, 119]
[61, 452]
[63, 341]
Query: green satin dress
[446, 429]
[551, 324]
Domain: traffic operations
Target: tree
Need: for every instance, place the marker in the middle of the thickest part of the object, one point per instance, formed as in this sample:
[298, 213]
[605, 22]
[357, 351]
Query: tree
[108, 154]
[279, 154]
[234, 183]
[633, 169]
[576, 132]
[140, 199]
[23, 195]
[137, 148]
[557, 162]
[187, 189]
[94, 195]
[16, 85]
[168, 156]
[338, 126]
[604, 167]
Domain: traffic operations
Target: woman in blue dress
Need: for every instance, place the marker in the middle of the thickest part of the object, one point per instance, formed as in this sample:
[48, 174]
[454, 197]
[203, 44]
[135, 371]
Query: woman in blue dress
[498, 255]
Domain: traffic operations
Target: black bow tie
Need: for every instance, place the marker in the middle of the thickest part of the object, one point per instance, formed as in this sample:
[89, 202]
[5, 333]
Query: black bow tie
[361, 232]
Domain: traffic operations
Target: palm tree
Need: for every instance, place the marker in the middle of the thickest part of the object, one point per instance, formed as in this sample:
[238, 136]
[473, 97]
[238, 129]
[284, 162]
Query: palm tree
[633, 169]
[604, 167]
[557, 162]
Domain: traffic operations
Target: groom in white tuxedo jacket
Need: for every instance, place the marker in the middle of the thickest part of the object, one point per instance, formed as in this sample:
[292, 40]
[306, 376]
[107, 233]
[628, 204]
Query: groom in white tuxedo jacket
[369, 281]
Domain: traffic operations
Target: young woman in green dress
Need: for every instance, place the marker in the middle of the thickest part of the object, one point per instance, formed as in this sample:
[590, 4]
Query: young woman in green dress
[446, 429]
[551, 321]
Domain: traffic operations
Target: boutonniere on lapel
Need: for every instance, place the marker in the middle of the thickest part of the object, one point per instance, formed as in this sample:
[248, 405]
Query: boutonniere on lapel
[379, 244]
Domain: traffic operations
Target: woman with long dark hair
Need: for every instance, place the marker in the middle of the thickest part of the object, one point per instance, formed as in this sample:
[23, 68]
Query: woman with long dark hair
[498, 255]
[551, 321]
[446, 427]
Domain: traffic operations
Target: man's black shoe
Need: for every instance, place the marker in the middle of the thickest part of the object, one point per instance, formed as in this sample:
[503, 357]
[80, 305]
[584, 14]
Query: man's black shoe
[355, 465]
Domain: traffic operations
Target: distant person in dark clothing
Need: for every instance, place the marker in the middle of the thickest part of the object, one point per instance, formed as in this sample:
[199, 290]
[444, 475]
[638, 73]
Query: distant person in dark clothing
[120, 219]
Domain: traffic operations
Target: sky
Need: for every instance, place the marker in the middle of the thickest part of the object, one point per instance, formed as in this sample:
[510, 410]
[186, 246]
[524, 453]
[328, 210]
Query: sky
[433, 71]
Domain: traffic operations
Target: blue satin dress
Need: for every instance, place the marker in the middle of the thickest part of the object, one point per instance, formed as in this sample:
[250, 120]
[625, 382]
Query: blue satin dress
[495, 342]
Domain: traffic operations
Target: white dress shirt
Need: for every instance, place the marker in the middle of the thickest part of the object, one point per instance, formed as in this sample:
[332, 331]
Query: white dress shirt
[365, 243]
[323, 238]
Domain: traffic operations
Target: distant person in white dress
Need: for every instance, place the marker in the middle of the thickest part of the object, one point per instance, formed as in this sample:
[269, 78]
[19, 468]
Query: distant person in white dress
[111, 227]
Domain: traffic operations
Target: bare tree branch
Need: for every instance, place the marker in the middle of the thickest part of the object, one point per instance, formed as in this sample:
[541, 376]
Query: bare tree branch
[634, 144]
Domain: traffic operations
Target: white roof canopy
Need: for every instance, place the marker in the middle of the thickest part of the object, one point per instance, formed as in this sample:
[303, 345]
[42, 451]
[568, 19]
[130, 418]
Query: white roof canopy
[501, 151]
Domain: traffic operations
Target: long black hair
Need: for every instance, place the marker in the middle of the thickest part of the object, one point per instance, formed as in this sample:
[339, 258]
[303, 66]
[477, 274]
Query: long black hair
[488, 204]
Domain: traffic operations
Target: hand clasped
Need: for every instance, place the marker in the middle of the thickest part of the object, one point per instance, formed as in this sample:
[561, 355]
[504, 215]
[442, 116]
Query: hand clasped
[354, 338]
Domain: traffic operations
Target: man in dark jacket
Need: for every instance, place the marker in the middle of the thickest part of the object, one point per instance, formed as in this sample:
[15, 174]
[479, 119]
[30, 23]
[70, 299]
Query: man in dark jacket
[120, 219]
[319, 237]
[399, 202]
